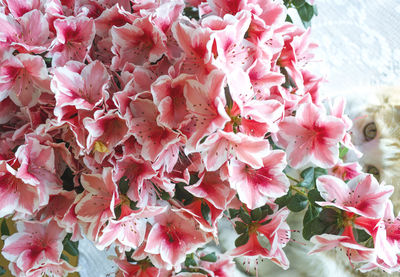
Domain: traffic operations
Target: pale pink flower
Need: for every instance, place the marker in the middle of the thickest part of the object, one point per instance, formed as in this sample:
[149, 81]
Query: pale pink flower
[138, 43]
[362, 195]
[16, 195]
[83, 87]
[23, 78]
[96, 204]
[256, 186]
[222, 146]
[354, 251]
[311, 137]
[34, 244]
[206, 104]
[37, 168]
[155, 139]
[129, 231]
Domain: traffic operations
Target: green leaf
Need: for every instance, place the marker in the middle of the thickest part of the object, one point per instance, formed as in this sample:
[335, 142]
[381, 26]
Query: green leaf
[243, 215]
[343, 151]
[67, 179]
[297, 203]
[284, 200]
[306, 12]
[117, 211]
[315, 9]
[314, 227]
[4, 228]
[311, 213]
[209, 258]
[361, 235]
[228, 97]
[71, 247]
[298, 3]
[240, 227]
[190, 261]
[256, 214]
[205, 211]
[123, 185]
[288, 19]
[64, 257]
[233, 213]
[2, 270]
[242, 240]
[191, 12]
[313, 196]
[310, 176]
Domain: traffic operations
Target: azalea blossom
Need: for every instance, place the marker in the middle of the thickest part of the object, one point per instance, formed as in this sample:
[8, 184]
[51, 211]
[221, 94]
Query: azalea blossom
[362, 195]
[311, 137]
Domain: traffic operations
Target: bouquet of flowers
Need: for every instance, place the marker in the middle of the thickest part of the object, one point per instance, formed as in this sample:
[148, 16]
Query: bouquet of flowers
[141, 124]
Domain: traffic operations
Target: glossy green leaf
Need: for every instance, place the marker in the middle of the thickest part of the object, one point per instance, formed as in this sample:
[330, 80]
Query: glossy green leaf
[123, 185]
[297, 203]
[242, 240]
[209, 258]
[240, 227]
[4, 228]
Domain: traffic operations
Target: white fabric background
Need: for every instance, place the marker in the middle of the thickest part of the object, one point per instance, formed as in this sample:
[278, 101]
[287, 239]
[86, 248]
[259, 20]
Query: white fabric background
[359, 46]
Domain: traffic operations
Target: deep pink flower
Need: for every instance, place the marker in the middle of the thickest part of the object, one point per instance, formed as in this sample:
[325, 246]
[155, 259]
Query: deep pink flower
[346, 171]
[277, 232]
[362, 195]
[34, 244]
[311, 137]
[74, 39]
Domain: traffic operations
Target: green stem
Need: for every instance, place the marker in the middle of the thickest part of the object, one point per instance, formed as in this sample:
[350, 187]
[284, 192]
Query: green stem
[298, 190]
[293, 179]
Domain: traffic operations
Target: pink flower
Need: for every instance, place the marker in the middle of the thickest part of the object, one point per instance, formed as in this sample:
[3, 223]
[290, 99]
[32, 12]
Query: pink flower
[37, 168]
[222, 146]
[206, 104]
[105, 132]
[311, 136]
[138, 43]
[346, 171]
[169, 98]
[362, 195]
[16, 195]
[155, 139]
[74, 39]
[128, 232]
[256, 186]
[223, 267]
[354, 251]
[385, 233]
[96, 204]
[34, 244]
[23, 78]
[83, 87]
[277, 232]
[173, 236]
[140, 269]
[136, 171]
